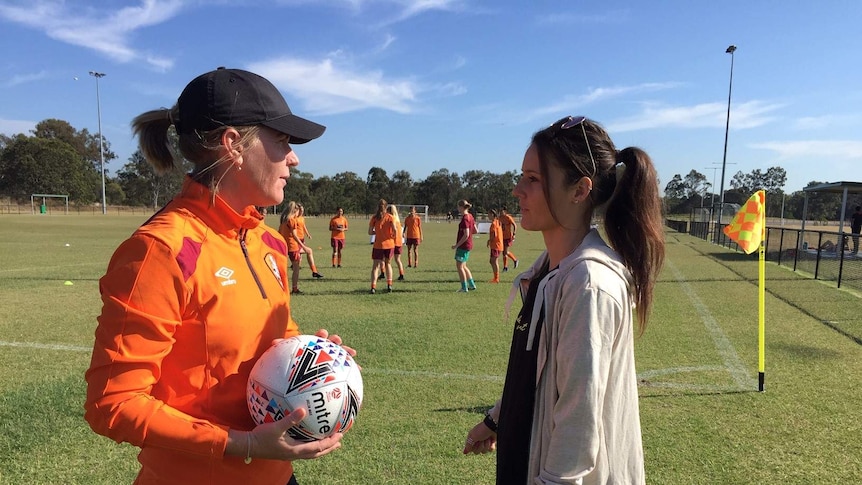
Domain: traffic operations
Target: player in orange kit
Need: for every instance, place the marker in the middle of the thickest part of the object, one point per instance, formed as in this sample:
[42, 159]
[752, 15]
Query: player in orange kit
[413, 233]
[338, 225]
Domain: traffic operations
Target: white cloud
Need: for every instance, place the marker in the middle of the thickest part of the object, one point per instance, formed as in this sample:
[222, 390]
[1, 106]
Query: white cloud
[23, 79]
[326, 87]
[813, 149]
[14, 127]
[656, 115]
[824, 122]
[413, 8]
[103, 31]
[574, 103]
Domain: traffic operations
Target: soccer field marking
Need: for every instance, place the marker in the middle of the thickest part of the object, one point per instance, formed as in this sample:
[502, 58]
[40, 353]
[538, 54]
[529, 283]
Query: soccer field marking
[645, 379]
[40, 268]
[365, 370]
[433, 375]
[732, 362]
[35, 345]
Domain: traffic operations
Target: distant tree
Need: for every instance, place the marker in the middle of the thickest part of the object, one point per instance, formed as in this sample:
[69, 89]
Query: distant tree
[377, 188]
[401, 187]
[675, 189]
[439, 191]
[83, 142]
[323, 196]
[31, 165]
[499, 191]
[5, 140]
[822, 206]
[695, 184]
[772, 181]
[488, 190]
[142, 186]
[298, 187]
[352, 190]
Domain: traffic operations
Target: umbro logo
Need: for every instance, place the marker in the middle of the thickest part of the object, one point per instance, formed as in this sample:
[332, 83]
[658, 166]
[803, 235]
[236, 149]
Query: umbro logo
[226, 275]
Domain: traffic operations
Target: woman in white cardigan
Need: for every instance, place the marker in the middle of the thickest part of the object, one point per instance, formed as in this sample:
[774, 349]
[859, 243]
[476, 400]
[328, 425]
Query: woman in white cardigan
[569, 409]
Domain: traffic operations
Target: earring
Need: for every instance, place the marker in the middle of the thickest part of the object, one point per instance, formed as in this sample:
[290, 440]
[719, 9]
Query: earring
[239, 168]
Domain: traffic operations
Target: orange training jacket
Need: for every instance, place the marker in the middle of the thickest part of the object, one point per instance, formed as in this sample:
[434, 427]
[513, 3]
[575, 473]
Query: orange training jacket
[190, 301]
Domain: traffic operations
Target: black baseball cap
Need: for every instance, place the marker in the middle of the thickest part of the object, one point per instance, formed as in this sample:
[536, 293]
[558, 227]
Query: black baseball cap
[233, 97]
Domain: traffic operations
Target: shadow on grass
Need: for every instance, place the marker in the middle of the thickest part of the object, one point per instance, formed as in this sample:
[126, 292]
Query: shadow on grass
[466, 409]
[732, 257]
[806, 351]
[725, 258]
[681, 393]
[381, 290]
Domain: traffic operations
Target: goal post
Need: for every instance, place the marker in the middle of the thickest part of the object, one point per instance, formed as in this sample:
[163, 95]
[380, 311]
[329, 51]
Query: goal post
[404, 209]
[43, 203]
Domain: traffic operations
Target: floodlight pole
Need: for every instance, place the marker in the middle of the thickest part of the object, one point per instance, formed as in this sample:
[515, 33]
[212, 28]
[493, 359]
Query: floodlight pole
[99, 75]
[712, 188]
[730, 50]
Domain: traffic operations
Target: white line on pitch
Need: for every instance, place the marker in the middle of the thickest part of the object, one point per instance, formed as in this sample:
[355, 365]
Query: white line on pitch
[436, 375]
[725, 349]
[365, 370]
[33, 345]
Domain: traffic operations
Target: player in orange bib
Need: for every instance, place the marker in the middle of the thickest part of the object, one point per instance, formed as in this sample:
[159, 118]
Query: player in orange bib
[338, 226]
[399, 240]
[382, 227]
[413, 233]
[302, 232]
[290, 230]
[507, 222]
[495, 244]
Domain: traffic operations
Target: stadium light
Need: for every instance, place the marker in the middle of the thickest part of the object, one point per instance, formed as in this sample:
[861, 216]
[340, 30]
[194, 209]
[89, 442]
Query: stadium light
[712, 188]
[99, 75]
[730, 50]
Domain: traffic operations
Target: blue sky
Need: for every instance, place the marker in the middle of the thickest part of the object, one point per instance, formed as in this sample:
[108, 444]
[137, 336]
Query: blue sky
[421, 85]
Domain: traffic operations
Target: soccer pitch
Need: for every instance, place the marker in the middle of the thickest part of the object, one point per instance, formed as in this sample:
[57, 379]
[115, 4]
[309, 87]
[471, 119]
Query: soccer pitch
[433, 360]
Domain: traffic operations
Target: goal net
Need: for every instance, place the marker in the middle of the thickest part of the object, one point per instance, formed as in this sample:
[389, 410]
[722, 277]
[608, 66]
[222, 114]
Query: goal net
[404, 210]
[45, 202]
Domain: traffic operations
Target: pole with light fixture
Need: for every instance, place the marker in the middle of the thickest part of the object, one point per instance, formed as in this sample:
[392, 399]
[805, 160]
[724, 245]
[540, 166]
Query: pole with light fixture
[730, 50]
[99, 75]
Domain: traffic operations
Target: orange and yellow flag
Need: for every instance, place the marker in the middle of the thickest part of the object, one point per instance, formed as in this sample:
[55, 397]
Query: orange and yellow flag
[746, 228]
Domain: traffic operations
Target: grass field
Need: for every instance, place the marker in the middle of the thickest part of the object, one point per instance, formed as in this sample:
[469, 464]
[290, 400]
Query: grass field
[433, 360]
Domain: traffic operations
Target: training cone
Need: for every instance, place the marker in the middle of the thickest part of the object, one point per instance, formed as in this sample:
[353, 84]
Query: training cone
[68, 283]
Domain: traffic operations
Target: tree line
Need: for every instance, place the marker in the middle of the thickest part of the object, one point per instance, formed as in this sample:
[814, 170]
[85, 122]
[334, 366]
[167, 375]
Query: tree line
[684, 194]
[58, 159]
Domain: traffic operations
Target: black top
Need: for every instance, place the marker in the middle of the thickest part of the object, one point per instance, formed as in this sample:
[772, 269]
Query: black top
[856, 222]
[519, 394]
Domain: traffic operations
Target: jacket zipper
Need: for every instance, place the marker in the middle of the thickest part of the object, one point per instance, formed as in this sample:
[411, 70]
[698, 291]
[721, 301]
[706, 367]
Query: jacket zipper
[248, 262]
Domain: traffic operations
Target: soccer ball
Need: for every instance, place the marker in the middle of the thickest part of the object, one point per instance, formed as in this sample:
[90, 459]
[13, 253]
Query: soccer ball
[306, 372]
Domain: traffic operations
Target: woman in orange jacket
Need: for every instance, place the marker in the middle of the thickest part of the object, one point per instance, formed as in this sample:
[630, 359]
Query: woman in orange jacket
[197, 294]
[382, 227]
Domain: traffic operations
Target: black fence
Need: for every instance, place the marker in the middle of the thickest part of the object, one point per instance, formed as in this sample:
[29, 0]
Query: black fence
[826, 255]
[60, 209]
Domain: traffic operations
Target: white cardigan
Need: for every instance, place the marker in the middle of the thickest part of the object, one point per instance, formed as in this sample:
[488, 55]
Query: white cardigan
[586, 425]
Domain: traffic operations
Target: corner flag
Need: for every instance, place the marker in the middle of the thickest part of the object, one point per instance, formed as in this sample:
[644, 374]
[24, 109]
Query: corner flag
[748, 229]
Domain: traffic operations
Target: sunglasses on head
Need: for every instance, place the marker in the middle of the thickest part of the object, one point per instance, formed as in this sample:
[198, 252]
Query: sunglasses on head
[571, 122]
